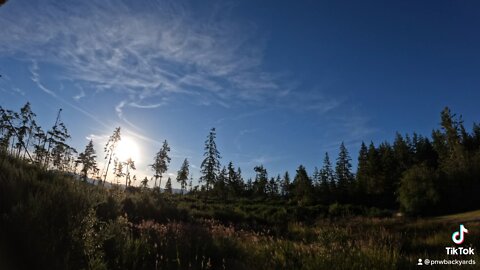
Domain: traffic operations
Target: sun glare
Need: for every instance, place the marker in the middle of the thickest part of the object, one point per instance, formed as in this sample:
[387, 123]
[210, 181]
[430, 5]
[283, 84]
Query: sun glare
[127, 148]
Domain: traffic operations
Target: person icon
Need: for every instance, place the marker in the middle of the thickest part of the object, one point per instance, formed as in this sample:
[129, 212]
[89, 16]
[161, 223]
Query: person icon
[419, 262]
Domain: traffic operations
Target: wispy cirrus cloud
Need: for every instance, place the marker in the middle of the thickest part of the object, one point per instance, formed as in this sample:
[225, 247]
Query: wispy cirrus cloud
[36, 79]
[151, 50]
[150, 53]
[142, 51]
[80, 95]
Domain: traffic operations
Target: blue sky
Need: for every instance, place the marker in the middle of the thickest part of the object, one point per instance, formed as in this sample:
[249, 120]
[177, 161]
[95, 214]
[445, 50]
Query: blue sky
[282, 82]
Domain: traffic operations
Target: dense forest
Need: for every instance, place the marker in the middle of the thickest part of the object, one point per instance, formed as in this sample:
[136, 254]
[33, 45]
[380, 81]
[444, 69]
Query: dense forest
[58, 212]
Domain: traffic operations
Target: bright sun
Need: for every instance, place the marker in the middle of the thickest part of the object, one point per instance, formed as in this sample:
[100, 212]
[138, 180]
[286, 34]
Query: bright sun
[127, 148]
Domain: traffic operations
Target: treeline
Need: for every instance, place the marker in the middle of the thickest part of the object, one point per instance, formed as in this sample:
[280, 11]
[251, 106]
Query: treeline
[21, 136]
[416, 174]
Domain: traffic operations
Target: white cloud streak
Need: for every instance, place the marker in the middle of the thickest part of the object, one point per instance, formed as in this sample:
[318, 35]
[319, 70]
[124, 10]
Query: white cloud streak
[150, 53]
[151, 50]
[142, 52]
[79, 95]
[35, 76]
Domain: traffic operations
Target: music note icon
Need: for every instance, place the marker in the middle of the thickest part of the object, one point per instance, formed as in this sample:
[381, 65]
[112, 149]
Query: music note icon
[459, 236]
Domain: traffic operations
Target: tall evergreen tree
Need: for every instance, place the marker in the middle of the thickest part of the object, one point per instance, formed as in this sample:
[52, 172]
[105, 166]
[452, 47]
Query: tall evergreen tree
[302, 186]
[326, 179]
[87, 159]
[240, 183]
[235, 181]
[220, 185]
[261, 180]
[182, 175]
[210, 166]
[278, 183]
[249, 188]
[285, 187]
[160, 163]
[362, 168]
[403, 153]
[343, 174]
[455, 157]
[272, 188]
[327, 175]
[389, 179]
[168, 186]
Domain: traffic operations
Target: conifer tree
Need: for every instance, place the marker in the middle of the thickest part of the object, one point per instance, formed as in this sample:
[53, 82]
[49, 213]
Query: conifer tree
[261, 181]
[343, 173]
[240, 184]
[210, 166]
[302, 186]
[221, 184]
[285, 187]
[182, 175]
[327, 175]
[372, 170]
[387, 179]
[249, 187]
[425, 153]
[278, 183]
[362, 168]
[87, 159]
[234, 180]
[454, 157]
[160, 163]
[168, 186]
[272, 188]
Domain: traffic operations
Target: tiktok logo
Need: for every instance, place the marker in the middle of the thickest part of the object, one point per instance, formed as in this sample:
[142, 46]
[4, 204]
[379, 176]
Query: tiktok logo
[459, 236]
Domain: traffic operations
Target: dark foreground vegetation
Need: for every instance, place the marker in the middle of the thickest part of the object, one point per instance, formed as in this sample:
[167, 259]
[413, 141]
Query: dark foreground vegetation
[49, 220]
